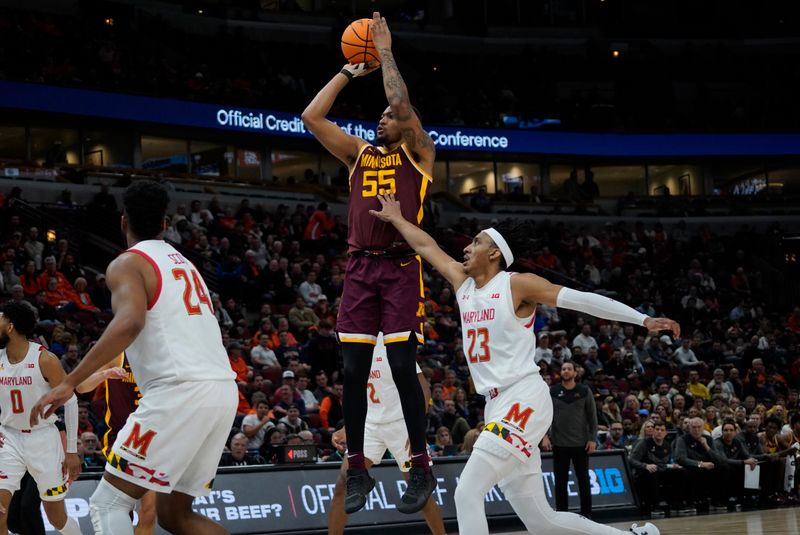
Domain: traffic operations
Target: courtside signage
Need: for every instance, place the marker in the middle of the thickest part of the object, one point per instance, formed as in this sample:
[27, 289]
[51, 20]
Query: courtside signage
[283, 499]
[140, 109]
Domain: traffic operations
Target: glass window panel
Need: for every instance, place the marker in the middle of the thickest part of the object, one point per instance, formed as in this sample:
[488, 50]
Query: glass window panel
[164, 153]
[295, 167]
[618, 180]
[108, 149]
[211, 159]
[679, 179]
[12, 142]
[519, 179]
[248, 163]
[55, 146]
[469, 177]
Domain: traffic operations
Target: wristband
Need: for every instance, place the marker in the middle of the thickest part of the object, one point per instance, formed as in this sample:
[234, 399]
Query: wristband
[347, 73]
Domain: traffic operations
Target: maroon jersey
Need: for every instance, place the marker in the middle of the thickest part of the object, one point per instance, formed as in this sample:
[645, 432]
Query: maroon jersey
[122, 398]
[379, 170]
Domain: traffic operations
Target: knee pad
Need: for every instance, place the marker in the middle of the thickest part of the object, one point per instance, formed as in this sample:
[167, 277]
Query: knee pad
[109, 510]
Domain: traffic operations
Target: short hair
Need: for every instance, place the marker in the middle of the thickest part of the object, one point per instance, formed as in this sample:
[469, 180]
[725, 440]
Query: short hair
[659, 423]
[21, 316]
[774, 420]
[795, 418]
[146, 204]
[571, 363]
[518, 236]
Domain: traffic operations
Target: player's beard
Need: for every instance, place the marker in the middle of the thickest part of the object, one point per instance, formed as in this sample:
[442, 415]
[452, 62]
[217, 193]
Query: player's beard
[4, 339]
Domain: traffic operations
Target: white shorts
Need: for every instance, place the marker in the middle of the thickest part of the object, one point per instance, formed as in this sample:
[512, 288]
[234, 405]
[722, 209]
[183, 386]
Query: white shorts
[392, 436]
[517, 419]
[39, 452]
[174, 439]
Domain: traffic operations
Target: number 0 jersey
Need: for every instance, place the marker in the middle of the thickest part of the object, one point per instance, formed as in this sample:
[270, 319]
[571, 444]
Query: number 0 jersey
[499, 346]
[378, 170]
[383, 398]
[181, 340]
[22, 385]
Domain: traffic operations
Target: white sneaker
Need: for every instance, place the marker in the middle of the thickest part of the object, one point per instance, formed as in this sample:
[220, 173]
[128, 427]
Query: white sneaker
[647, 529]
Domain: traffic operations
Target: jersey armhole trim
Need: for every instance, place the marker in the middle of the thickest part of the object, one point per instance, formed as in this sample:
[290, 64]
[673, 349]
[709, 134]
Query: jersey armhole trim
[355, 164]
[415, 163]
[152, 262]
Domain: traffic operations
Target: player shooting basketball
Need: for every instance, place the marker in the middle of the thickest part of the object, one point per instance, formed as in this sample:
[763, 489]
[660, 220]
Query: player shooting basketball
[383, 280]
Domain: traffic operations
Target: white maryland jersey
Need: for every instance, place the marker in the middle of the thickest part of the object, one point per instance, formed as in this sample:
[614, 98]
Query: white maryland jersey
[181, 340]
[499, 346]
[21, 386]
[383, 399]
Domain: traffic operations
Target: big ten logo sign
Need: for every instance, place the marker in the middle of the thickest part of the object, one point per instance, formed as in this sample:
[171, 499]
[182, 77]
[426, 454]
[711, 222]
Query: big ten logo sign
[601, 481]
[221, 505]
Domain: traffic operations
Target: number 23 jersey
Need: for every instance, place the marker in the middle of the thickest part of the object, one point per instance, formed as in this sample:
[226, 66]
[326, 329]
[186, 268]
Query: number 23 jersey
[499, 346]
[181, 340]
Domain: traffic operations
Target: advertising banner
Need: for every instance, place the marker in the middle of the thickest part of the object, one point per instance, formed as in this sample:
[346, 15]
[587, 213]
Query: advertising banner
[285, 499]
[140, 109]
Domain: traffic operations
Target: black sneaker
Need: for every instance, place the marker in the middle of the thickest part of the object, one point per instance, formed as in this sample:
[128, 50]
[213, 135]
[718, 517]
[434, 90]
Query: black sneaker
[359, 484]
[421, 484]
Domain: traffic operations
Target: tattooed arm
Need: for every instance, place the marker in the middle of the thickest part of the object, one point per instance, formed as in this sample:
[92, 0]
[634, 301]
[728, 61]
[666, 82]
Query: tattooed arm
[417, 140]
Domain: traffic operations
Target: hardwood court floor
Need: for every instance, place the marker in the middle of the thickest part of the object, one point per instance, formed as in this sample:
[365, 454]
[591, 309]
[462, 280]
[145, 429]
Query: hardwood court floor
[784, 521]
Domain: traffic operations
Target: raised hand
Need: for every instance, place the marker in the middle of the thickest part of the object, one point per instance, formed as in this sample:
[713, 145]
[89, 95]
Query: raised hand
[390, 208]
[381, 37]
[663, 324]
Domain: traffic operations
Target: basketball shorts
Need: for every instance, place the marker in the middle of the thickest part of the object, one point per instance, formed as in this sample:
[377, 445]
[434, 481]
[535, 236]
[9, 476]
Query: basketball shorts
[38, 451]
[381, 295]
[392, 436]
[517, 418]
[174, 439]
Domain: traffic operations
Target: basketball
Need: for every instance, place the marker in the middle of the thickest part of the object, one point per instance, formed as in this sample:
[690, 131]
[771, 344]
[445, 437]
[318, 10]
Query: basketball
[357, 44]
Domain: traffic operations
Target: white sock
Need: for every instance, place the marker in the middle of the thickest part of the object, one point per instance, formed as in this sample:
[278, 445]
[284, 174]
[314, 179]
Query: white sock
[110, 510]
[71, 527]
[482, 472]
[526, 495]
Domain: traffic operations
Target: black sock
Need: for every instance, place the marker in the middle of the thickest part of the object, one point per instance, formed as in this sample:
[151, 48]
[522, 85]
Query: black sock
[357, 364]
[403, 359]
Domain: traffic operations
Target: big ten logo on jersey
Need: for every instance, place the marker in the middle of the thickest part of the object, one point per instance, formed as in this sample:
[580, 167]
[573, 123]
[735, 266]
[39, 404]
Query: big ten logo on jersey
[137, 442]
[517, 418]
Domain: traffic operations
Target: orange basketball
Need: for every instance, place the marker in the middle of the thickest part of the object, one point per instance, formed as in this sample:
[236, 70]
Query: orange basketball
[357, 45]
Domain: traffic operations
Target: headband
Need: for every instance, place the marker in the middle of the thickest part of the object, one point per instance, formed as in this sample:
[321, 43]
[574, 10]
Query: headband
[501, 244]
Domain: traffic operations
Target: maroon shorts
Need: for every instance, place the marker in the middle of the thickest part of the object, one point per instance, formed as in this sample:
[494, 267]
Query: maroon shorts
[381, 295]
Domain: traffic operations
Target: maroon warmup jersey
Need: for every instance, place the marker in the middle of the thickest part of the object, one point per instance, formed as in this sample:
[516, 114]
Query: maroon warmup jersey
[122, 398]
[378, 170]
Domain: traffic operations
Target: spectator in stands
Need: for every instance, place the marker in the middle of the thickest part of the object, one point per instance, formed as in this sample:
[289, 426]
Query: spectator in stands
[309, 290]
[8, 278]
[547, 259]
[615, 439]
[92, 459]
[653, 470]
[286, 350]
[443, 446]
[686, 358]
[63, 286]
[322, 349]
[262, 357]
[301, 316]
[71, 358]
[543, 351]
[694, 452]
[584, 340]
[330, 408]
[34, 248]
[239, 454]
[321, 389]
[238, 364]
[696, 388]
[735, 456]
[309, 400]
[84, 421]
[84, 298]
[18, 296]
[292, 420]
[100, 294]
[256, 425]
[320, 224]
[719, 379]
